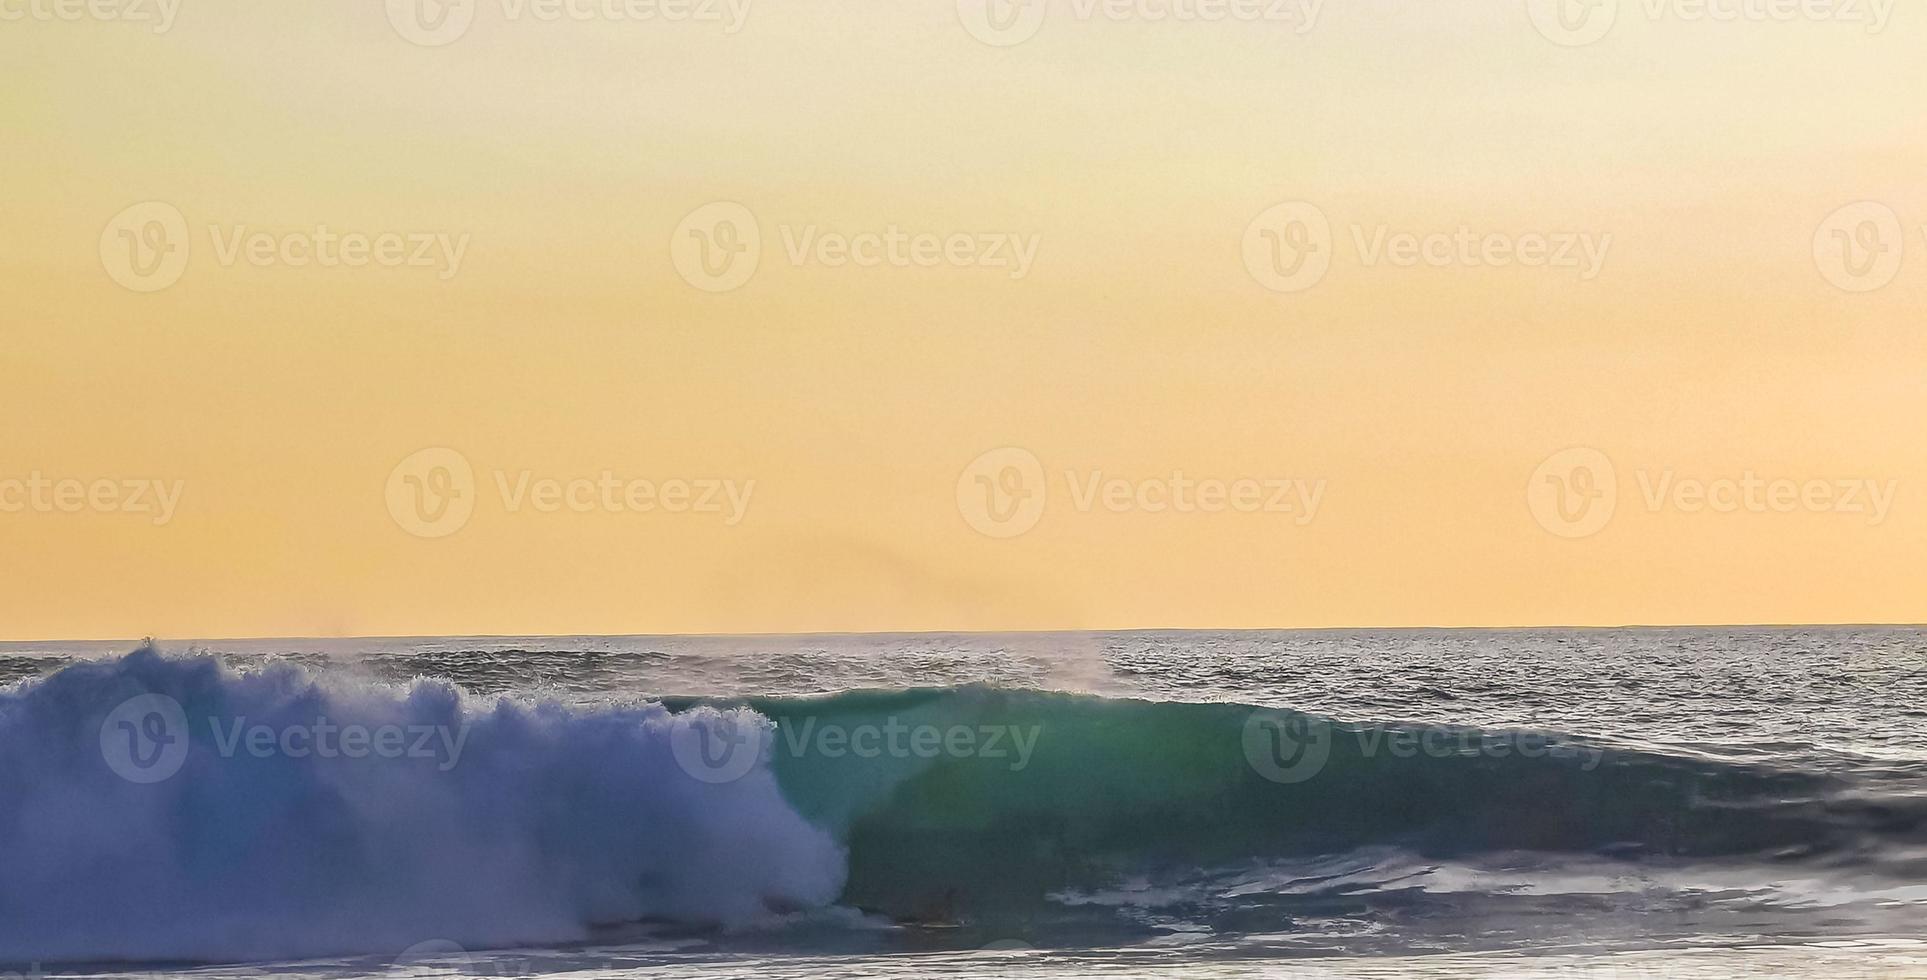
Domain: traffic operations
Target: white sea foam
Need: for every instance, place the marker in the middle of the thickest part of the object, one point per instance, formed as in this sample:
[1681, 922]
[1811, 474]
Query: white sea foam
[549, 820]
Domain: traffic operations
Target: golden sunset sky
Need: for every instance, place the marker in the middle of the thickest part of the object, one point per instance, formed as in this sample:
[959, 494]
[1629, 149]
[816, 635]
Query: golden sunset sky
[1745, 185]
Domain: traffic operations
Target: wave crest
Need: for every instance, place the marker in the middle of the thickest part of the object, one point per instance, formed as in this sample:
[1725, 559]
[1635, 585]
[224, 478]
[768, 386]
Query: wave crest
[514, 822]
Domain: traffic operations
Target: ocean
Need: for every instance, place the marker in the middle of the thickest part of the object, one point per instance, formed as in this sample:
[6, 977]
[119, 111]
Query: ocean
[1717, 802]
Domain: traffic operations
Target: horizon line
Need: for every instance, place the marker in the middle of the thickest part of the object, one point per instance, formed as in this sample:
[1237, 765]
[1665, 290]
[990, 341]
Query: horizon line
[983, 632]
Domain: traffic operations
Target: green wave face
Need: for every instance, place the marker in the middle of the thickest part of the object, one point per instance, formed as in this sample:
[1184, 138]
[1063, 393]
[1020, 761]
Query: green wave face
[1049, 791]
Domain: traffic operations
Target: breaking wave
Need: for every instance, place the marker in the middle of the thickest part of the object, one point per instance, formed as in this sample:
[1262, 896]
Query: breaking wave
[244, 823]
[481, 822]
[1137, 791]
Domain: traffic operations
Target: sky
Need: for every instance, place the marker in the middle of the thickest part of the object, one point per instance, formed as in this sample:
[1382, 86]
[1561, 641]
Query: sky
[352, 317]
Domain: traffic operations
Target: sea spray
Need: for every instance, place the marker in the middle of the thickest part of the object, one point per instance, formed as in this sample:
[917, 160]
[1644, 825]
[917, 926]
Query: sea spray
[551, 820]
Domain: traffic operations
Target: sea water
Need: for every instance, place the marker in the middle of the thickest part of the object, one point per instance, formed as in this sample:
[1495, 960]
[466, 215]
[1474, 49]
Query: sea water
[1640, 802]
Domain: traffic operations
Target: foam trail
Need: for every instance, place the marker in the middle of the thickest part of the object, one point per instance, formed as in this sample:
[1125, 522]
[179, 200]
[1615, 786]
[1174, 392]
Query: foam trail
[501, 822]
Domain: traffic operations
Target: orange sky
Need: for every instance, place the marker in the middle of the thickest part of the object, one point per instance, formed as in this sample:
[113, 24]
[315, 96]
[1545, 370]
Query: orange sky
[846, 317]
